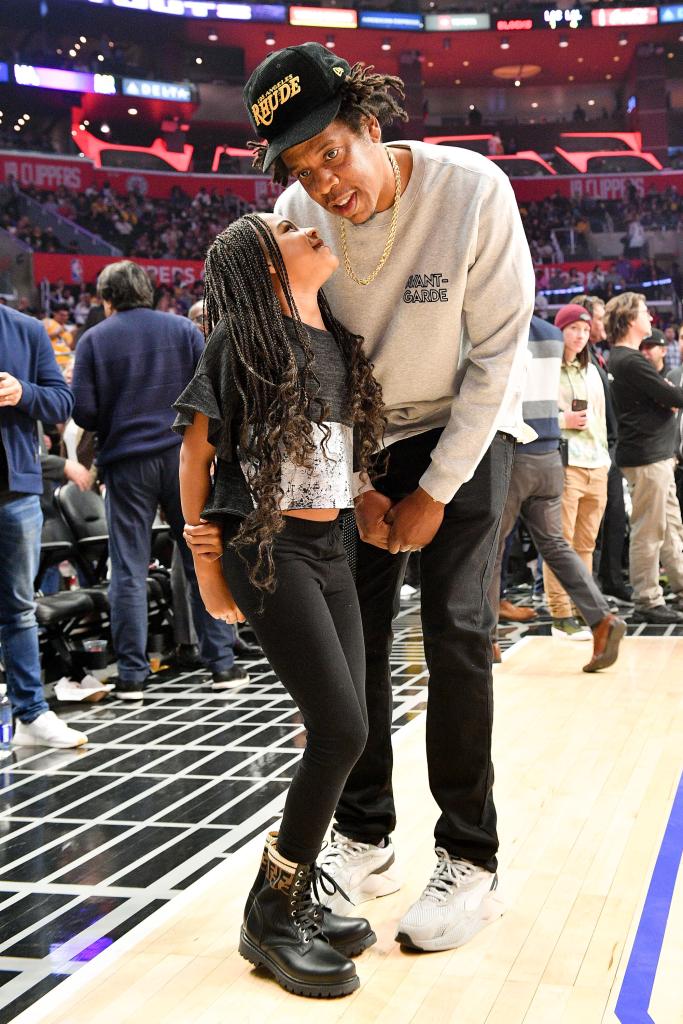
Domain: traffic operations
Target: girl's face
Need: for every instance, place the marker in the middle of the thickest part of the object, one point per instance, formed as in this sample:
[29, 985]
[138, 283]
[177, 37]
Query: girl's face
[308, 260]
[575, 339]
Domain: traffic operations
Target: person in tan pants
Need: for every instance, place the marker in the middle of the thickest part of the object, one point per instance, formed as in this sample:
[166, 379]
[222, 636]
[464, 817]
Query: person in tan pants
[584, 431]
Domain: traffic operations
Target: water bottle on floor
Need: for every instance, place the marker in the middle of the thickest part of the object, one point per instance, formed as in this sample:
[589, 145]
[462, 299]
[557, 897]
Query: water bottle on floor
[5, 723]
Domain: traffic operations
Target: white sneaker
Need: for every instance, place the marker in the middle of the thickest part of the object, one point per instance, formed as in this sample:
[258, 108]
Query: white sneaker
[47, 731]
[459, 901]
[362, 870]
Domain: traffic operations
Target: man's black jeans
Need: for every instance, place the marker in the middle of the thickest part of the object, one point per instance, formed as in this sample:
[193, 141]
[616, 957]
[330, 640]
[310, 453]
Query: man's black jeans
[456, 570]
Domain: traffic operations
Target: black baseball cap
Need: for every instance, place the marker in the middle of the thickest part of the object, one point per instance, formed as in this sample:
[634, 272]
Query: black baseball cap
[293, 95]
[656, 338]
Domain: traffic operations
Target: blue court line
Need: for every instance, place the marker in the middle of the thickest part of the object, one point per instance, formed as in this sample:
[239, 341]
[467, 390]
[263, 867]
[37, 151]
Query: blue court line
[636, 989]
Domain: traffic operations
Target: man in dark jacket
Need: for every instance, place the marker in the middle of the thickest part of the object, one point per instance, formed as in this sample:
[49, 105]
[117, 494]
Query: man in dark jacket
[129, 370]
[31, 388]
[645, 403]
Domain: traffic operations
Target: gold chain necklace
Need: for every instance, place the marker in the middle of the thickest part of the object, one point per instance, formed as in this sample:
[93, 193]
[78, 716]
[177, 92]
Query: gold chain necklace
[390, 238]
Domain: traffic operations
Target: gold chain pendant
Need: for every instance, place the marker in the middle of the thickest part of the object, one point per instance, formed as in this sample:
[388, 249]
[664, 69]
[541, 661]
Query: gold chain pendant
[390, 238]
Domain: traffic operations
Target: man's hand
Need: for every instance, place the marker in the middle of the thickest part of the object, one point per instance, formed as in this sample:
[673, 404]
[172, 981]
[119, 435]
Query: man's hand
[204, 540]
[10, 390]
[78, 474]
[575, 420]
[371, 507]
[414, 521]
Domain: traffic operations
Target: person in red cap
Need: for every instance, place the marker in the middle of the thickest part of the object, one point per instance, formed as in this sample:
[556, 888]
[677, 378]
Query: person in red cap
[584, 432]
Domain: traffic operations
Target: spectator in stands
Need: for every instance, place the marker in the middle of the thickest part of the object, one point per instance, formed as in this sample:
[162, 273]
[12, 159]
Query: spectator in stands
[676, 378]
[196, 315]
[31, 388]
[61, 334]
[129, 370]
[535, 496]
[672, 357]
[82, 308]
[644, 403]
[584, 430]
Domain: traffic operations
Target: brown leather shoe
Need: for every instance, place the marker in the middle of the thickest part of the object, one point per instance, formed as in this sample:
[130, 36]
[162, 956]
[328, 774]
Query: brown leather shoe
[497, 658]
[607, 636]
[510, 612]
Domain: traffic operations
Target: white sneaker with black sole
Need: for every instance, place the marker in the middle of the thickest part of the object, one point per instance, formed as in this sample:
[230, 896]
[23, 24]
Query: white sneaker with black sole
[47, 730]
[362, 871]
[126, 689]
[230, 678]
[458, 902]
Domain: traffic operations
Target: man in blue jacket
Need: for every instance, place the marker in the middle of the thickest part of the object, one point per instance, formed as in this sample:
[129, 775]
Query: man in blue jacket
[31, 389]
[129, 370]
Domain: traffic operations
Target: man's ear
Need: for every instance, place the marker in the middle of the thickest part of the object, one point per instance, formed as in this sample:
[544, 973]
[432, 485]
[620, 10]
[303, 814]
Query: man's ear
[373, 128]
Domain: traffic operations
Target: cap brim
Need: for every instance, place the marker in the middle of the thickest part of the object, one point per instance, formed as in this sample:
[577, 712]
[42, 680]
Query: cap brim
[316, 122]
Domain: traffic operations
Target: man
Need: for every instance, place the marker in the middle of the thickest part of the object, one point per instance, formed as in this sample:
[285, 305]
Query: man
[672, 356]
[196, 316]
[60, 334]
[31, 389]
[536, 487]
[129, 370]
[645, 404]
[676, 378]
[438, 279]
[613, 532]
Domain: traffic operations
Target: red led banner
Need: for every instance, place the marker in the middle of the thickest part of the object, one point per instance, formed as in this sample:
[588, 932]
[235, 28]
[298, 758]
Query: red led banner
[515, 25]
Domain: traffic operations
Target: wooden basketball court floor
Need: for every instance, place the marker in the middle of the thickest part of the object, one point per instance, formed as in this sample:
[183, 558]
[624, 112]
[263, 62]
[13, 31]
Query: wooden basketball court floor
[590, 800]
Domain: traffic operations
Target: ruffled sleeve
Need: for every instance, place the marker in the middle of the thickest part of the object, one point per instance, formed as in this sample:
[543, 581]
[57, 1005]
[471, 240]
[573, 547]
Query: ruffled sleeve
[211, 392]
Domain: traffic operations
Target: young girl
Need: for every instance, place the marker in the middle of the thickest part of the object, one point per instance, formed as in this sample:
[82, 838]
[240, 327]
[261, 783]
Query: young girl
[280, 395]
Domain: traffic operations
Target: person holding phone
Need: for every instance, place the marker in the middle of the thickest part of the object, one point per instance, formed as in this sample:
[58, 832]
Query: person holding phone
[586, 460]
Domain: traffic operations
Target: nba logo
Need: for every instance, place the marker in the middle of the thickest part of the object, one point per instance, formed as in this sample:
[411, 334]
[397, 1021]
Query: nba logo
[77, 272]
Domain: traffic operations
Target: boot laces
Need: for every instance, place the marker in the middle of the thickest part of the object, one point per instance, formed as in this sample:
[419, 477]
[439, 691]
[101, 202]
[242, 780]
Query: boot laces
[341, 850]
[449, 874]
[303, 906]
[325, 885]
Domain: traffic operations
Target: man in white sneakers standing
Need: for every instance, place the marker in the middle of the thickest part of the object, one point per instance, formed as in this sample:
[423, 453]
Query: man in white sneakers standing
[31, 389]
[438, 279]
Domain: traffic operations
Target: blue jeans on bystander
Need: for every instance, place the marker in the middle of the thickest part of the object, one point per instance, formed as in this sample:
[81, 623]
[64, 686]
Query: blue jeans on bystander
[21, 522]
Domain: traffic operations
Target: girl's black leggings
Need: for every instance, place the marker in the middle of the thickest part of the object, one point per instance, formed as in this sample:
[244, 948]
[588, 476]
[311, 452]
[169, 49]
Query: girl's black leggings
[310, 631]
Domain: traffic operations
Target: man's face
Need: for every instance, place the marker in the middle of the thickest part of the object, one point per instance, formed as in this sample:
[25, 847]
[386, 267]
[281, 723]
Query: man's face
[598, 324]
[655, 355]
[342, 170]
[669, 334]
[642, 323]
[62, 316]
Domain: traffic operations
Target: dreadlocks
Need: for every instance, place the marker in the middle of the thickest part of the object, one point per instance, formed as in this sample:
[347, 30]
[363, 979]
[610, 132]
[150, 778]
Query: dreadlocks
[364, 94]
[277, 397]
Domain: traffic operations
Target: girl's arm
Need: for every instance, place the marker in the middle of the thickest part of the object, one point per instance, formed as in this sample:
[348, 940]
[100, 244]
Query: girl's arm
[196, 459]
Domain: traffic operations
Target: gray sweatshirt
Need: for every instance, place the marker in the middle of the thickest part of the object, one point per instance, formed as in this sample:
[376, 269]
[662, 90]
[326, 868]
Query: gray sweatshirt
[446, 321]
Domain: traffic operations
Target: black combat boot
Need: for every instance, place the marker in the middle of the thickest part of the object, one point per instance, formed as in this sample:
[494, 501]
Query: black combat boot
[280, 933]
[348, 935]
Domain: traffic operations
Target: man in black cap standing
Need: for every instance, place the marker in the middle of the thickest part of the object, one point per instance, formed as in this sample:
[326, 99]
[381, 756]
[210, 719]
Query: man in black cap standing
[437, 278]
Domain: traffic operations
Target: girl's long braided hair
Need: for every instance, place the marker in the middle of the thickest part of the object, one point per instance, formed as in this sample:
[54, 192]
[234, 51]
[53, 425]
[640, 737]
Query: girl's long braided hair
[277, 397]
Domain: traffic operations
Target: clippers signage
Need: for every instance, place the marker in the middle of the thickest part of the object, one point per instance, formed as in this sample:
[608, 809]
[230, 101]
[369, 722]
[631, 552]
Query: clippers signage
[143, 89]
[65, 81]
[86, 269]
[389, 21]
[200, 9]
[457, 22]
[621, 17]
[670, 13]
[322, 17]
[45, 173]
[515, 25]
